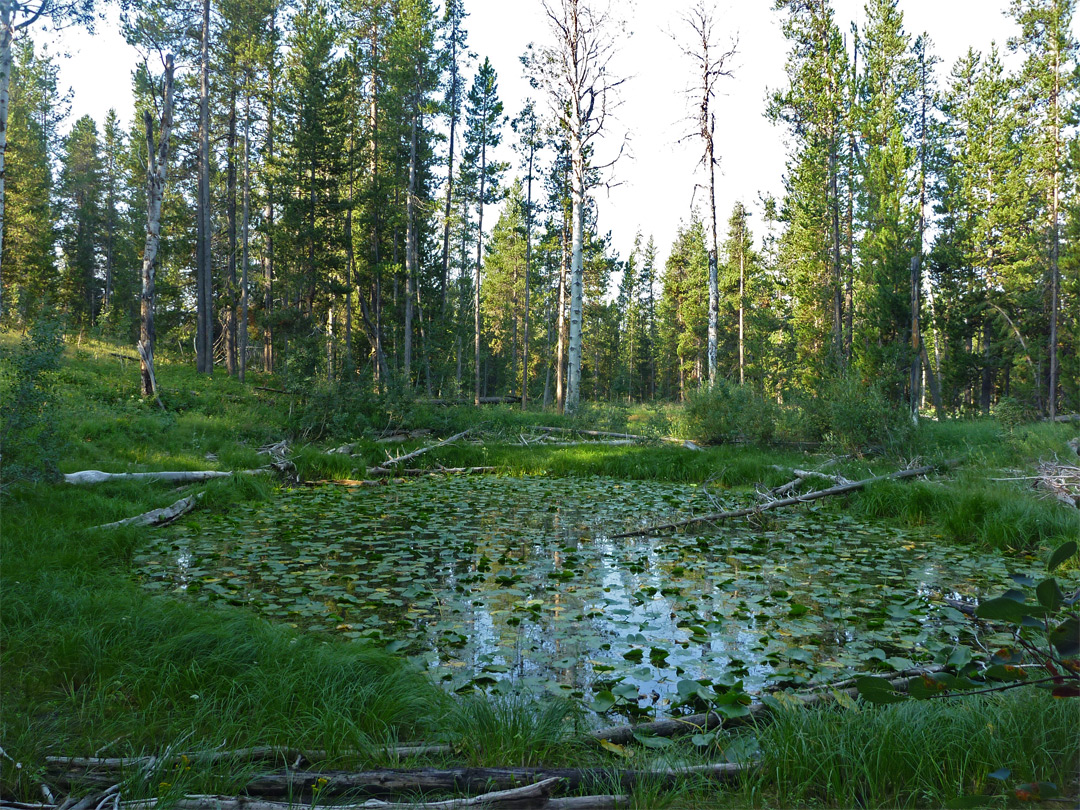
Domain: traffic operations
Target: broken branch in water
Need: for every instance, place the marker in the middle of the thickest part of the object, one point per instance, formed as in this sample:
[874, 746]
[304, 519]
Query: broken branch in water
[391, 462]
[851, 486]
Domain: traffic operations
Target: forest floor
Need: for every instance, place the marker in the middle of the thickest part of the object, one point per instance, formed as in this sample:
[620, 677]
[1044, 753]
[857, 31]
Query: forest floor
[95, 665]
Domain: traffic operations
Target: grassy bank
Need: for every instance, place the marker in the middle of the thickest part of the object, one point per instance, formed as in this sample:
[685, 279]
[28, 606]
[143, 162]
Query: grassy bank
[91, 661]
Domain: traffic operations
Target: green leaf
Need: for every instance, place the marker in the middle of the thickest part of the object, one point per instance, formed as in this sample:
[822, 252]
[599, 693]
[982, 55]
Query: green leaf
[878, 690]
[1049, 593]
[703, 739]
[1002, 609]
[1061, 554]
[1004, 672]
[603, 702]
[1066, 637]
[653, 742]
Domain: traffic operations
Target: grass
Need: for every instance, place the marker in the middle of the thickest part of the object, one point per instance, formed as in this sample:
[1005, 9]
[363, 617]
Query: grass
[89, 659]
[916, 754]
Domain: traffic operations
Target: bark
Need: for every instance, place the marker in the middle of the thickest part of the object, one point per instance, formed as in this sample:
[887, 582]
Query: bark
[577, 185]
[268, 269]
[231, 366]
[684, 442]
[258, 754]
[411, 242]
[1055, 274]
[793, 501]
[156, 170]
[409, 456]
[157, 517]
[560, 352]
[6, 36]
[182, 477]
[454, 92]
[245, 257]
[698, 722]
[528, 277]
[397, 781]
[479, 257]
[204, 320]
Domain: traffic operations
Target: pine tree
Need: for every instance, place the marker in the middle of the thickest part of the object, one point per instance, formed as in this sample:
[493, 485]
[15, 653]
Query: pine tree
[80, 194]
[812, 107]
[888, 212]
[484, 119]
[1050, 82]
[29, 235]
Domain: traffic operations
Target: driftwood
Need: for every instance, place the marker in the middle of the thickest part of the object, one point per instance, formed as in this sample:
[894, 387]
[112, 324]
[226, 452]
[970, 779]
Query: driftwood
[184, 477]
[157, 517]
[533, 795]
[392, 462]
[397, 781]
[841, 489]
[257, 754]
[383, 472]
[689, 445]
[701, 722]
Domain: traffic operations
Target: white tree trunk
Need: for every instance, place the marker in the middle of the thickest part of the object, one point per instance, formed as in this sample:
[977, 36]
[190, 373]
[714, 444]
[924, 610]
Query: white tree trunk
[156, 161]
[6, 35]
[577, 181]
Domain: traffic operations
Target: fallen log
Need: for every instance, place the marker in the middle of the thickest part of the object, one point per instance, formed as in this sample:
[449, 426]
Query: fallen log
[397, 781]
[702, 722]
[157, 517]
[534, 794]
[257, 754]
[383, 472]
[392, 462]
[792, 501]
[689, 445]
[182, 477]
[1069, 417]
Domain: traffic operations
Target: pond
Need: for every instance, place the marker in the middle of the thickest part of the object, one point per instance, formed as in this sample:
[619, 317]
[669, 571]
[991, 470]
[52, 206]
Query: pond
[514, 583]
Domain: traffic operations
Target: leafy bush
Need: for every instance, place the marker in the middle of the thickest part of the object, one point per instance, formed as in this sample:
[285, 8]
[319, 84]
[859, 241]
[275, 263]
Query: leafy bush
[726, 412]
[854, 416]
[28, 439]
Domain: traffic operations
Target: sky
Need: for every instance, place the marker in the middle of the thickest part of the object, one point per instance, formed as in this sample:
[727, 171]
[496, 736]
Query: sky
[659, 177]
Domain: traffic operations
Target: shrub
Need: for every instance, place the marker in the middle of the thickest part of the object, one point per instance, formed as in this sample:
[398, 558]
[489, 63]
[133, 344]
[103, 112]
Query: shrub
[854, 416]
[726, 412]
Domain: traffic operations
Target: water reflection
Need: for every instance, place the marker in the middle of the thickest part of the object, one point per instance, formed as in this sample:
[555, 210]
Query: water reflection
[511, 580]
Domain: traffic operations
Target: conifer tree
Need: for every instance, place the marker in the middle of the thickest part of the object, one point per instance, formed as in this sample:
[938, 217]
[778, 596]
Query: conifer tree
[80, 194]
[484, 119]
[1049, 85]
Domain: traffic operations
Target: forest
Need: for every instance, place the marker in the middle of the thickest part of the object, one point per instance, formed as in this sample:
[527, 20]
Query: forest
[346, 462]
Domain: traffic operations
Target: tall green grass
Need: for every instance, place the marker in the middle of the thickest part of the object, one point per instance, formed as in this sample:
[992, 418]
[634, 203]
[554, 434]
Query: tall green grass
[918, 753]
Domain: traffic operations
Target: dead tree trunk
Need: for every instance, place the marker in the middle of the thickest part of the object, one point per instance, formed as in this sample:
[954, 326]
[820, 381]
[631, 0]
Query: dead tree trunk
[157, 155]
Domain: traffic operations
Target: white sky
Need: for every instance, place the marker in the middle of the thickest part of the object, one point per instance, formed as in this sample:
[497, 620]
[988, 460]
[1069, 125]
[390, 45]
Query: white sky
[657, 179]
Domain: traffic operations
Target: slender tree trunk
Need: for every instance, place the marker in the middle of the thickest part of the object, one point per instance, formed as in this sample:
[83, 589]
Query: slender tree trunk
[410, 250]
[204, 340]
[156, 164]
[268, 299]
[560, 355]
[714, 284]
[528, 284]
[1055, 246]
[245, 256]
[454, 79]
[742, 308]
[230, 212]
[479, 259]
[6, 35]
[577, 194]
